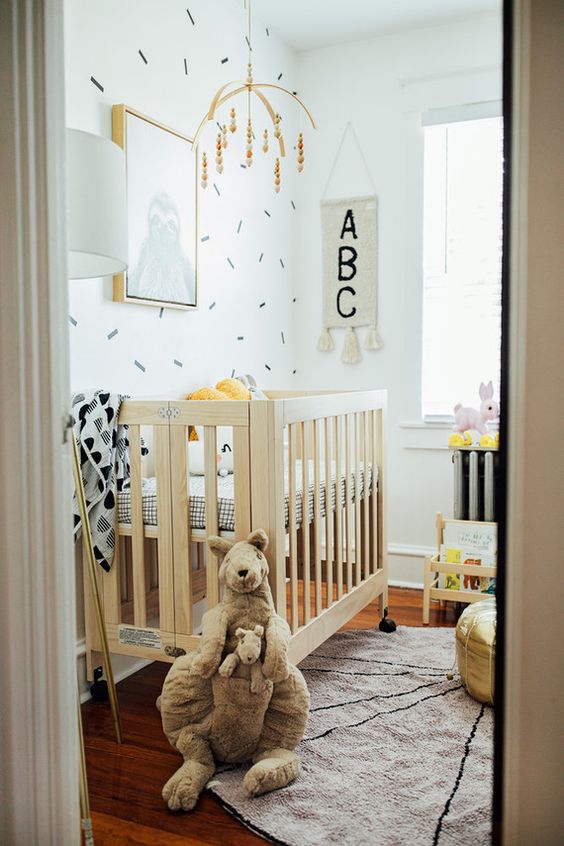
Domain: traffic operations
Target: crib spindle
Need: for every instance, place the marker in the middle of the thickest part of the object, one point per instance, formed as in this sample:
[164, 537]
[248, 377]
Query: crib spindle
[373, 493]
[293, 544]
[328, 512]
[357, 520]
[365, 499]
[241, 482]
[317, 517]
[182, 541]
[164, 542]
[210, 468]
[338, 507]
[348, 503]
[306, 562]
[137, 529]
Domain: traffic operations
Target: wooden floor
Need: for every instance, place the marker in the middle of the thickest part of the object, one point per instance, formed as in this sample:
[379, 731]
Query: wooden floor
[125, 782]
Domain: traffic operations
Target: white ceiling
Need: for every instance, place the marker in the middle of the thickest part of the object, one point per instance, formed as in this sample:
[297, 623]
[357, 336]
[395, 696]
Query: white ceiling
[305, 24]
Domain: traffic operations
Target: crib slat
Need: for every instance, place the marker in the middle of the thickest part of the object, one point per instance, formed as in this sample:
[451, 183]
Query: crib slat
[317, 517]
[241, 482]
[373, 493]
[137, 528]
[348, 503]
[306, 563]
[164, 537]
[357, 527]
[338, 507]
[365, 502]
[292, 527]
[181, 521]
[328, 513]
[210, 468]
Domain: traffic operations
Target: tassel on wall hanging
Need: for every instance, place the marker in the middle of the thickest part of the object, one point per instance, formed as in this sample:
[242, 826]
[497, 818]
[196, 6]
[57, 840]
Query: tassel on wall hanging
[350, 267]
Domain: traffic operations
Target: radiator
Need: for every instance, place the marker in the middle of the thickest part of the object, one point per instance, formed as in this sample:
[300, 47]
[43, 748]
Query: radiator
[475, 472]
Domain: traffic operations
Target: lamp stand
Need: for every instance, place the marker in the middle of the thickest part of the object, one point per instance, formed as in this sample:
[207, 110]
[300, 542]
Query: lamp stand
[90, 563]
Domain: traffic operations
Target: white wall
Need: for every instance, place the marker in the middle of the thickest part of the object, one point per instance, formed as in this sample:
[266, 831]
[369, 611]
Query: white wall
[381, 86]
[103, 40]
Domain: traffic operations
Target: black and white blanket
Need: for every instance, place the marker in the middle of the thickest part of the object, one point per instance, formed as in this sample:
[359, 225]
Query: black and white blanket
[104, 460]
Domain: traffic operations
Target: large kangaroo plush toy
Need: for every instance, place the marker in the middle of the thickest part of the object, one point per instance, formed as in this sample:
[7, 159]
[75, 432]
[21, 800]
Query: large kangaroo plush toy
[210, 717]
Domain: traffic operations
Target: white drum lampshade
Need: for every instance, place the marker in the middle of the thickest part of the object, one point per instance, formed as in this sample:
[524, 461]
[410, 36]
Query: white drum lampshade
[96, 206]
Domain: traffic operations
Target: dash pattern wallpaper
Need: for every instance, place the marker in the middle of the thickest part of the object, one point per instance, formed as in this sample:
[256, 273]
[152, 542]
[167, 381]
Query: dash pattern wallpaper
[167, 60]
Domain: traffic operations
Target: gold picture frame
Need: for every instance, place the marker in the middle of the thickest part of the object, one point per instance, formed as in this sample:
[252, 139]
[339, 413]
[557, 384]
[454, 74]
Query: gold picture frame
[162, 211]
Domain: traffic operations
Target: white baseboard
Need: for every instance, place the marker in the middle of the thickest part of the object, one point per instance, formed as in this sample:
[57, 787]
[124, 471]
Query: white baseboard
[400, 583]
[123, 668]
[405, 564]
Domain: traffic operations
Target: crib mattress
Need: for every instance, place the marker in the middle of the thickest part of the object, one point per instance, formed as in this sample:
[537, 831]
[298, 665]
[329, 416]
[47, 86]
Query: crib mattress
[226, 504]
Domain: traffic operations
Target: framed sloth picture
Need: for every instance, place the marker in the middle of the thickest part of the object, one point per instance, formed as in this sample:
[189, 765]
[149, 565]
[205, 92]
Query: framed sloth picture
[161, 213]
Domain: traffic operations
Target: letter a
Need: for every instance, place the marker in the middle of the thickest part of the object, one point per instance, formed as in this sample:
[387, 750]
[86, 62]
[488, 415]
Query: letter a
[348, 224]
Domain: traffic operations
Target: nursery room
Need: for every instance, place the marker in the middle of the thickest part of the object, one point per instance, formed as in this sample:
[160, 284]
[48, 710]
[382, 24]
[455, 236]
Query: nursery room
[289, 516]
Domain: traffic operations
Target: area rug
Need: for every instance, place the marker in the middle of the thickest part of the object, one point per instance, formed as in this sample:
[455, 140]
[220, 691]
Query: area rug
[394, 752]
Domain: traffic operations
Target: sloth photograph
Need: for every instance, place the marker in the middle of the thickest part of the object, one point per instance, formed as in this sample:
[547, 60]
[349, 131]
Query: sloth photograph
[162, 271]
[161, 201]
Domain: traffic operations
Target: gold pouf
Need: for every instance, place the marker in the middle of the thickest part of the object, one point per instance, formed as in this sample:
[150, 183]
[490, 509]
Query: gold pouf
[475, 649]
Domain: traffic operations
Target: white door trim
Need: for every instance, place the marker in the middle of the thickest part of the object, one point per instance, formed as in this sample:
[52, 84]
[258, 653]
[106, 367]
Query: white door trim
[38, 741]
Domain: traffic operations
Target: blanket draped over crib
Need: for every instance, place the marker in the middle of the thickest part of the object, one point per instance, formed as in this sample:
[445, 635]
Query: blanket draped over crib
[104, 461]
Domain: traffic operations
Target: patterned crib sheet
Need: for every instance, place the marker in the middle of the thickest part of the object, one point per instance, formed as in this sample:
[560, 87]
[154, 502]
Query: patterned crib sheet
[226, 504]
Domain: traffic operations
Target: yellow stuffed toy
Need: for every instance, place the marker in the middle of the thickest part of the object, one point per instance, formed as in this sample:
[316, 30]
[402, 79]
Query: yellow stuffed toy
[227, 389]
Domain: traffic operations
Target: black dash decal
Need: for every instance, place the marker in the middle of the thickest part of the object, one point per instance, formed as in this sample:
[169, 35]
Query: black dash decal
[282, 336]
[260, 257]
[268, 367]
[262, 305]
[244, 166]
[281, 262]
[239, 227]
[219, 126]
[230, 262]
[295, 93]
[224, 60]
[72, 320]
[161, 312]
[212, 305]
[267, 32]
[96, 83]
[267, 213]
[254, 137]
[279, 76]
[139, 365]
[112, 334]
[143, 57]
[293, 299]
[185, 67]
[190, 16]
[293, 372]
[240, 337]
[178, 363]
[205, 238]
[233, 373]
[293, 204]
[217, 189]
[248, 43]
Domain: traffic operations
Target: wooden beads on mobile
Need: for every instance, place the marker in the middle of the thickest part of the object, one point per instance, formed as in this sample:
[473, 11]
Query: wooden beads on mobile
[249, 74]
[300, 152]
[204, 182]
[277, 131]
[224, 136]
[218, 154]
[265, 141]
[249, 143]
[233, 124]
[277, 176]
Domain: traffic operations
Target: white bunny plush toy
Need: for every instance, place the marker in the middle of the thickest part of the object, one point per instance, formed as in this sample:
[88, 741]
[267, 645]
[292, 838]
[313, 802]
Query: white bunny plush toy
[470, 418]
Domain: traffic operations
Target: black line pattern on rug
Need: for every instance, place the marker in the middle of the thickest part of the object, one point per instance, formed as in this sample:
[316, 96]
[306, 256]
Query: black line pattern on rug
[377, 661]
[375, 696]
[454, 790]
[381, 713]
[246, 822]
[360, 673]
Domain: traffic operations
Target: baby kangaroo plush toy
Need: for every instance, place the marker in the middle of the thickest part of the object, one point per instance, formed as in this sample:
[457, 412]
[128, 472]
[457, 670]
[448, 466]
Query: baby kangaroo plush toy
[247, 652]
[215, 706]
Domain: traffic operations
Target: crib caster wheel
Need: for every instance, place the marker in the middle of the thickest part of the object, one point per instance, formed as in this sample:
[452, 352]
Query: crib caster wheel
[387, 624]
[99, 689]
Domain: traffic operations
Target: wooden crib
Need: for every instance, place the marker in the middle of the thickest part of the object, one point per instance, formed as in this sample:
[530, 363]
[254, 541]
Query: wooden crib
[308, 467]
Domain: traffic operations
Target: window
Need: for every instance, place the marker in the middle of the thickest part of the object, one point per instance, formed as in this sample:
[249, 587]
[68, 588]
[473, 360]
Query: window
[462, 219]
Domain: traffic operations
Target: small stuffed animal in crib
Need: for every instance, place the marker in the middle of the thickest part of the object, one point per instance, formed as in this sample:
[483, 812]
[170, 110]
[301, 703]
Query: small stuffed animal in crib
[247, 652]
[470, 418]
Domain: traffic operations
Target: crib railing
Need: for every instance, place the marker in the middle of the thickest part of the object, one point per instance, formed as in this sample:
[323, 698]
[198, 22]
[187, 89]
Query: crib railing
[327, 559]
